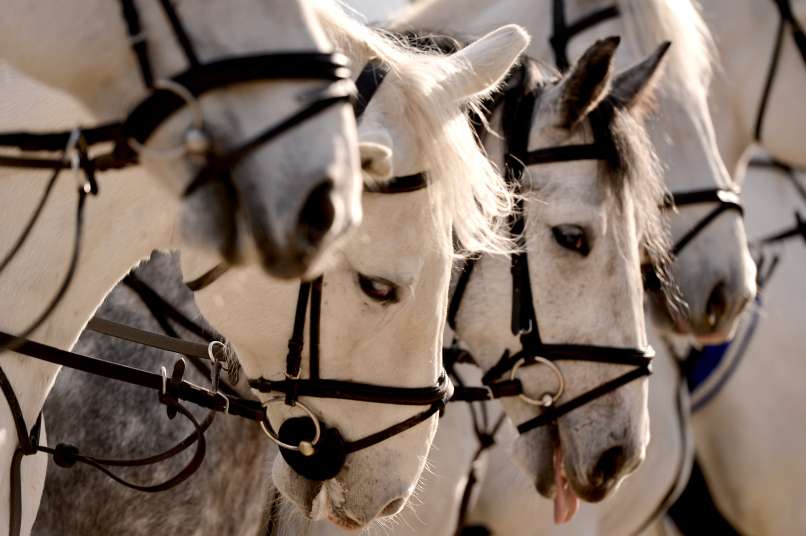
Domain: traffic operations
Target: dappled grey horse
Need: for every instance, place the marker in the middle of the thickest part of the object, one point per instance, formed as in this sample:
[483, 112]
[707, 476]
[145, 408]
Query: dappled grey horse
[227, 495]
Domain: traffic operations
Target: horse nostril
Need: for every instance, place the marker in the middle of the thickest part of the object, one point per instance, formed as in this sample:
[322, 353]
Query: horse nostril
[717, 305]
[609, 466]
[318, 213]
[394, 506]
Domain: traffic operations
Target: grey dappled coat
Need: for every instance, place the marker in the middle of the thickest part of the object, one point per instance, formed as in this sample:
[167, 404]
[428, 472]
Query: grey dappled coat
[228, 494]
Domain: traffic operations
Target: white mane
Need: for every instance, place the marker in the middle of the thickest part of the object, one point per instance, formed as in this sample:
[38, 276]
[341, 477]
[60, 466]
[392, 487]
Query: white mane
[469, 191]
[689, 63]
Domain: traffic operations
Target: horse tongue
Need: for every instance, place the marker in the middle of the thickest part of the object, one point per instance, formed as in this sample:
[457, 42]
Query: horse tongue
[566, 503]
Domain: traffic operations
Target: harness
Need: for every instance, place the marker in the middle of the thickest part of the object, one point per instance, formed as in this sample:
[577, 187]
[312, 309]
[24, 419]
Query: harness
[311, 447]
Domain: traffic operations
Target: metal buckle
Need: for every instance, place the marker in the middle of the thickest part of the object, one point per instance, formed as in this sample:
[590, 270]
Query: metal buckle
[305, 447]
[546, 399]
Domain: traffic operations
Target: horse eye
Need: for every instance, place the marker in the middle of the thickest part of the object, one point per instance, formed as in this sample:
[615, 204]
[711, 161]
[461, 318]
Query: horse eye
[572, 237]
[378, 289]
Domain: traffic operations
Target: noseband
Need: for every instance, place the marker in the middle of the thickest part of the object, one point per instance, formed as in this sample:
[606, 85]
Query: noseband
[309, 446]
[501, 380]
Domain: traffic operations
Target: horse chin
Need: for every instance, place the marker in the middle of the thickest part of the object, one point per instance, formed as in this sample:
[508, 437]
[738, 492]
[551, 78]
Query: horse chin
[316, 500]
[301, 492]
[533, 452]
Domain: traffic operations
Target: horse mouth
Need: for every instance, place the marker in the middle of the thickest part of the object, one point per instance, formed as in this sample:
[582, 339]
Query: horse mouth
[553, 483]
[325, 507]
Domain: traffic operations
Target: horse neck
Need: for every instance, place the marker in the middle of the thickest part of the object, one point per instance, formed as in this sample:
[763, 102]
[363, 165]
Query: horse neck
[735, 97]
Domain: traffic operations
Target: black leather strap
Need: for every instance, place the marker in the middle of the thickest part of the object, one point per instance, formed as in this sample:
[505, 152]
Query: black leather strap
[459, 292]
[362, 392]
[562, 32]
[368, 82]
[553, 413]
[246, 408]
[66, 456]
[137, 41]
[725, 199]
[787, 20]
[566, 153]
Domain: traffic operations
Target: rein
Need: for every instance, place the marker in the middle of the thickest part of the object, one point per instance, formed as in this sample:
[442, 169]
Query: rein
[312, 448]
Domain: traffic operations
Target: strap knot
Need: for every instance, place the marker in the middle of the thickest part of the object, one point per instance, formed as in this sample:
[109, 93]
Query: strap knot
[65, 455]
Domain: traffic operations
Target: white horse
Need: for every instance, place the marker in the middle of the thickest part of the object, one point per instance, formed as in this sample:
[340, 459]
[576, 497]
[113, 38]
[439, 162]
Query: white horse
[748, 449]
[385, 293]
[716, 287]
[84, 51]
[748, 452]
[619, 214]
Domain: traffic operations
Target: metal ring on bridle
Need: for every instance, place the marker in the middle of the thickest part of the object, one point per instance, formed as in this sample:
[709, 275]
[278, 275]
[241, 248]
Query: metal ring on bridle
[547, 399]
[195, 129]
[211, 353]
[304, 447]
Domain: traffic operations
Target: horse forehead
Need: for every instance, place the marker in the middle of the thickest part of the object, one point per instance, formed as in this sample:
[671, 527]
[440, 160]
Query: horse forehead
[569, 183]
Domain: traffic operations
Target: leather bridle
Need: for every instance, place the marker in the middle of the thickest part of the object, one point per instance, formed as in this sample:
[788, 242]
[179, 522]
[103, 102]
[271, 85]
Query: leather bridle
[312, 448]
[519, 105]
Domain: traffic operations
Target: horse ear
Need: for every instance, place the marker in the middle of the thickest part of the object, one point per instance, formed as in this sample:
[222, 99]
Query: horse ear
[633, 86]
[375, 152]
[477, 69]
[586, 84]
